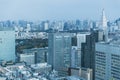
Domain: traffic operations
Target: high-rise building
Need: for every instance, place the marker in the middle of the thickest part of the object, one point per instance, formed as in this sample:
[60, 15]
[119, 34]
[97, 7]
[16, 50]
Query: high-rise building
[107, 61]
[103, 22]
[86, 25]
[59, 51]
[46, 26]
[118, 23]
[7, 45]
[103, 25]
[74, 56]
[88, 50]
[78, 25]
[81, 38]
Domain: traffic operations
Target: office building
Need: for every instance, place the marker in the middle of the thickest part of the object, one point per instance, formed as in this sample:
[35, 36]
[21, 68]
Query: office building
[81, 38]
[59, 51]
[41, 54]
[7, 45]
[85, 73]
[103, 25]
[88, 50]
[73, 78]
[27, 58]
[118, 24]
[107, 63]
[103, 21]
[74, 56]
[46, 26]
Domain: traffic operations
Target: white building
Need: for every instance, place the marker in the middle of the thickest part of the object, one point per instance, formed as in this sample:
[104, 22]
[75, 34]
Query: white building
[28, 58]
[46, 26]
[103, 25]
[85, 73]
[41, 68]
[81, 38]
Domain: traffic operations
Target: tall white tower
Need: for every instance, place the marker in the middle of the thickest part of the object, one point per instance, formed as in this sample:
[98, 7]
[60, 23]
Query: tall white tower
[103, 25]
[103, 22]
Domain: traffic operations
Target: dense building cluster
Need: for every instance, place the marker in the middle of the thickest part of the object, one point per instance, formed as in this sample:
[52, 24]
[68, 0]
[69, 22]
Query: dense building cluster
[95, 57]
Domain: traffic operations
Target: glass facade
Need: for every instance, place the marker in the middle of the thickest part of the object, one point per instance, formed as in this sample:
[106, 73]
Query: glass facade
[59, 51]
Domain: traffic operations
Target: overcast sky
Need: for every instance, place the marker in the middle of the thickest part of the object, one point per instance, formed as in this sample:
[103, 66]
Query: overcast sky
[58, 9]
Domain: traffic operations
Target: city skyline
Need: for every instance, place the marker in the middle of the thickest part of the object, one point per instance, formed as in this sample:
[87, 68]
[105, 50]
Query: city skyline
[58, 9]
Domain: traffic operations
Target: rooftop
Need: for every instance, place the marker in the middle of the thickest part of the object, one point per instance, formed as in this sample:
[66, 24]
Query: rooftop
[41, 65]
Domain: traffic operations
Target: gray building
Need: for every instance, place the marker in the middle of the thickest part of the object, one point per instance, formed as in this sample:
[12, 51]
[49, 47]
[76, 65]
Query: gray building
[41, 54]
[27, 58]
[107, 61]
[85, 73]
[74, 56]
[59, 51]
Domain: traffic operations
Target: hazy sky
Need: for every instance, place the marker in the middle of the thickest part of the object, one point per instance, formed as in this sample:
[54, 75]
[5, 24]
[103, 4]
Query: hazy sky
[58, 9]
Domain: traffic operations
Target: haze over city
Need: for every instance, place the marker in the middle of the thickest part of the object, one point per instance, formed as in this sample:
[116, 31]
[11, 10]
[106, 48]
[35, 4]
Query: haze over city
[59, 40]
[58, 9]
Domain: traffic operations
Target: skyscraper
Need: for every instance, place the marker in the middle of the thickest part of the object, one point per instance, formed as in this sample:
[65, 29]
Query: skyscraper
[103, 25]
[88, 50]
[107, 61]
[59, 51]
[81, 38]
[103, 22]
[7, 45]
[74, 56]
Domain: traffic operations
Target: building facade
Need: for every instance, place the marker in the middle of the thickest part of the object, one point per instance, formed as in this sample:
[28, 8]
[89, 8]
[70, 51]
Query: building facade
[81, 38]
[27, 58]
[41, 54]
[85, 73]
[107, 63]
[59, 51]
[88, 50]
[7, 45]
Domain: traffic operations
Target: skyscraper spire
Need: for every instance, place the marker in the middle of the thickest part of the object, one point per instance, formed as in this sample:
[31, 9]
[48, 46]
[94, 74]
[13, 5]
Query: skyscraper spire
[103, 25]
[103, 21]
